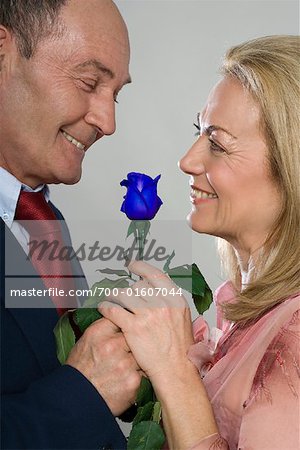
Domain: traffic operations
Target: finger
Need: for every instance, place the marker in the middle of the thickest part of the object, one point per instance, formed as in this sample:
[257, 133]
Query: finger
[164, 289]
[138, 285]
[150, 274]
[121, 341]
[116, 314]
[106, 326]
[128, 298]
[141, 289]
[148, 295]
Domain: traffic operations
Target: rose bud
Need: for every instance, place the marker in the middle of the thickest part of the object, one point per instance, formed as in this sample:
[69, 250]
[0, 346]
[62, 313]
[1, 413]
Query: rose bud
[141, 201]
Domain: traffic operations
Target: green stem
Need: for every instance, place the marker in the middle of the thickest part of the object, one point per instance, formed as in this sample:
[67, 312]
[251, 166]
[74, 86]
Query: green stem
[140, 235]
[140, 230]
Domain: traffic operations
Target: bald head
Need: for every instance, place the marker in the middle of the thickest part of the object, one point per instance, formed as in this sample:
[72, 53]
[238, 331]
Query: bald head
[32, 21]
[95, 16]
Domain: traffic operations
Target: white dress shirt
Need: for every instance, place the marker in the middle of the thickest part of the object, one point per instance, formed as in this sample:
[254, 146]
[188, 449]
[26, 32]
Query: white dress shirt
[10, 188]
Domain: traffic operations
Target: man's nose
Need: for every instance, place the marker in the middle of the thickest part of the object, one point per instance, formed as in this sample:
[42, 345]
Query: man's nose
[192, 162]
[102, 114]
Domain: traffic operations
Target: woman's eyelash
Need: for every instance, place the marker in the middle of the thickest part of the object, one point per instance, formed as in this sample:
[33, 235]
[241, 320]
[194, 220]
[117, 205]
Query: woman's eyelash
[215, 147]
[198, 128]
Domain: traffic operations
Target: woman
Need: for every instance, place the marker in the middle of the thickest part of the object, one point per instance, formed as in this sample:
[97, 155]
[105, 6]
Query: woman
[244, 176]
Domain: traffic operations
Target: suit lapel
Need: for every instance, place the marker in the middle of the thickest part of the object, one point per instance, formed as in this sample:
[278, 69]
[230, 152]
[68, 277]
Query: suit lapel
[35, 323]
[79, 279]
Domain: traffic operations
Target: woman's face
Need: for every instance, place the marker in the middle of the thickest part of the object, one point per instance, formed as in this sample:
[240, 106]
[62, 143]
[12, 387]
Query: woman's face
[233, 194]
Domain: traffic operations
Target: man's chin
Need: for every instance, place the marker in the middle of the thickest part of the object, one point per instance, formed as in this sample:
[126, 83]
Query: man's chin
[68, 179]
[73, 181]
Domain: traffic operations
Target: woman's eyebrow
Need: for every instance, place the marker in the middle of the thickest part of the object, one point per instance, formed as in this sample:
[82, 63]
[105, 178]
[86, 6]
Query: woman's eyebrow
[208, 130]
[211, 128]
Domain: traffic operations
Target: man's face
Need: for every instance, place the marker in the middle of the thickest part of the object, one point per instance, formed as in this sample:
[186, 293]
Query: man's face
[55, 105]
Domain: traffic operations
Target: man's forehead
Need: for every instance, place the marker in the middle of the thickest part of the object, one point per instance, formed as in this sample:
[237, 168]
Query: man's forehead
[96, 65]
[102, 13]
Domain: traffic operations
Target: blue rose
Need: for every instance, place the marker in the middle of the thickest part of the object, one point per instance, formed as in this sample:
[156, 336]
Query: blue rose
[141, 201]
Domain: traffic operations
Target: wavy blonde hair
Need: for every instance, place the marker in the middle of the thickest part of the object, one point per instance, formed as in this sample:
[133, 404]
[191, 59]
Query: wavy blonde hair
[268, 68]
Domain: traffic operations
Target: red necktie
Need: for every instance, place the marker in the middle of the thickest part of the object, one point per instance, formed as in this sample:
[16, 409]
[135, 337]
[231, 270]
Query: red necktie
[46, 247]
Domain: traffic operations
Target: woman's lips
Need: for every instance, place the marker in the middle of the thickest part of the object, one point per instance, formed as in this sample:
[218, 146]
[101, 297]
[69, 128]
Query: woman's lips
[198, 194]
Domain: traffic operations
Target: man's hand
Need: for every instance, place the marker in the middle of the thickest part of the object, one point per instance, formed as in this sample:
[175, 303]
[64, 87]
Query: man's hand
[103, 357]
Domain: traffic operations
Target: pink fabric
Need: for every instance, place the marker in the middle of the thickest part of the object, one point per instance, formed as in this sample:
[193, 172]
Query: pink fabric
[212, 442]
[252, 377]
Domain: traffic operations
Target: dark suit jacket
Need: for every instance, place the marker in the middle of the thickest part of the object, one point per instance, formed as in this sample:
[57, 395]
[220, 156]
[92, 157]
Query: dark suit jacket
[44, 405]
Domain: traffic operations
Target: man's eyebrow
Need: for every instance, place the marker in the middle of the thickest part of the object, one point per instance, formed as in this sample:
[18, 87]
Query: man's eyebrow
[211, 128]
[96, 64]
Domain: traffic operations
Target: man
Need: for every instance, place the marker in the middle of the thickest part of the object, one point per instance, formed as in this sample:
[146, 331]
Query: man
[62, 64]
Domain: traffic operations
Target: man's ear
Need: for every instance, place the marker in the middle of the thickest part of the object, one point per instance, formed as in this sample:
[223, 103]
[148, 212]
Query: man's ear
[6, 44]
[7, 41]
[4, 35]
[2, 38]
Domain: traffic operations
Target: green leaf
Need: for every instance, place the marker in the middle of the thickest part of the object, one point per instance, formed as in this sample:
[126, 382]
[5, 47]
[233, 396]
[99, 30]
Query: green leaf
[198, 284]
[167, 263]
[98, 291]
[84, 317]
[202, 303]
[119, 273]
[144, 413]
[145, 392]
[189, 278]
[64, 337]
[182, 276]
[146, 436]
[131, 228]
[156, 417]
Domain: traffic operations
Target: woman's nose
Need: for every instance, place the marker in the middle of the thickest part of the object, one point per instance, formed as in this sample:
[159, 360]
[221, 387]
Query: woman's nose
[192, 162]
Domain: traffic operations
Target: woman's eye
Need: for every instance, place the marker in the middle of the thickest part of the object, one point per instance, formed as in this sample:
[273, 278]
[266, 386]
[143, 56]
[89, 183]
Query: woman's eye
[215, 147]
[198, 128]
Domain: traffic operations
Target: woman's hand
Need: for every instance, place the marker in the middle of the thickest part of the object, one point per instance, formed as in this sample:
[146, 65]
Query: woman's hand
[155, 320]
[158, 330]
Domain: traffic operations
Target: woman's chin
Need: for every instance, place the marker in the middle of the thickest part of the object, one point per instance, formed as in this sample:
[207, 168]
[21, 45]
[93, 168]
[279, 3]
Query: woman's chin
[194, 223]
[199, 225]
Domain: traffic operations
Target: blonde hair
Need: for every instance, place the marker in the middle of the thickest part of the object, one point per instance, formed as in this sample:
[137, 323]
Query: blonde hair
[268, 68]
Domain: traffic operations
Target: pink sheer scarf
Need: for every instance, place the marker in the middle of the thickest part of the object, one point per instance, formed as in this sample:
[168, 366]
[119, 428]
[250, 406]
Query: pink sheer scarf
[252, 377]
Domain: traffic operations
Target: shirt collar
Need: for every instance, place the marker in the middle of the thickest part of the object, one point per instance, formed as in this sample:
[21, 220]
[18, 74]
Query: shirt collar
[10, 188]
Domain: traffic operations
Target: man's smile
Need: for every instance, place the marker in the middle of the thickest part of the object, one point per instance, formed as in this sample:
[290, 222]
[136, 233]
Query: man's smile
[74, 141]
